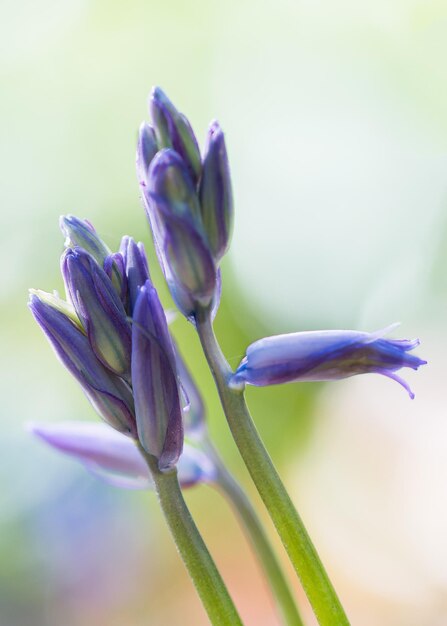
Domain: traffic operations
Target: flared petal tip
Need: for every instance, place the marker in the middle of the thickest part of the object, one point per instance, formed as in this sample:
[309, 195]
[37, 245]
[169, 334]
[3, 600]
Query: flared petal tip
[399, 380]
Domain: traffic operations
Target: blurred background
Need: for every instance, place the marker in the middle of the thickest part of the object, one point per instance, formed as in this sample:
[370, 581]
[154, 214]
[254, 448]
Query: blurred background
[334, 113]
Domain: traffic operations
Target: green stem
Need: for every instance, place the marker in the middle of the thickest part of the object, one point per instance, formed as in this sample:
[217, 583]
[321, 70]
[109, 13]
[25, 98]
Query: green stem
[262, 547]
[192, 549]
[289, 525]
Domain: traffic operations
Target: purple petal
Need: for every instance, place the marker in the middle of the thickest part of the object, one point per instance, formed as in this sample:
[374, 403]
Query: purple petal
[324, 355]
[215, 192]
[136, 268]
[108, 393]
[99, 308]
[82, 234]
[146, 150]
[154, 381]
[173, 130]
[115, 458]
[101, 449]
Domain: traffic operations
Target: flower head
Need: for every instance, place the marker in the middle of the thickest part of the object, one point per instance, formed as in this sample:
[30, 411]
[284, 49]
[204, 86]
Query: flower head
[112, 336]
[325, 355]
[188, 203]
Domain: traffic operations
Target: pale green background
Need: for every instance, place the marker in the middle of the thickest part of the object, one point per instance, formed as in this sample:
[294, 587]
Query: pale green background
[335, 118]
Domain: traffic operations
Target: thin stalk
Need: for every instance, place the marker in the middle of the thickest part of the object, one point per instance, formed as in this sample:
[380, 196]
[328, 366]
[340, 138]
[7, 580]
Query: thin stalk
[263, 549]
[204, 574]
[302, 553]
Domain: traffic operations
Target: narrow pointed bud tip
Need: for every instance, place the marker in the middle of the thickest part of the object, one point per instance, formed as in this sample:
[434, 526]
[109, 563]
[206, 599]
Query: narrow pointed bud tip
[136, 268]
[80, 233]
[146, 150]
[173, 130]
[99, 308]
[215, 193]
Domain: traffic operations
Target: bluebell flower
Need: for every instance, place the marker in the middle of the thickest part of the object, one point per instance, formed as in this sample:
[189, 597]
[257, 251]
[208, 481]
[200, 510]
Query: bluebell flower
[116, 271]
[81, 233]
[112, 335]
[173, 130]
[115, 458]
[136, 269]
[99, 309]
[155, 381]
[178, 231]
[109, 394]
[215, 193]
[188, 203]
[325, 355]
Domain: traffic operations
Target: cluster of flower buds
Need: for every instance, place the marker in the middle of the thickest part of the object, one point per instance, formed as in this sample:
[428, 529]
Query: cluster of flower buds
[189, 203]
[112, 335]
[114, 457]
[325, 355]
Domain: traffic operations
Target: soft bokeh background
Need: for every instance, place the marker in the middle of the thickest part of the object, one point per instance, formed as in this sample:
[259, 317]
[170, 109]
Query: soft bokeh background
[334, 113]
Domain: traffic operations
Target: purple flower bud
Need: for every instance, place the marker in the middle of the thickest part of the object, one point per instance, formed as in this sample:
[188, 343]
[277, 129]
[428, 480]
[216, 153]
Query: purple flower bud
[82, 234]
[215, 192]
[135, 267]
[173, 130]
[146, 150]
[170, 182]
[99, 308]
[154, 381]
[115, 270]
[115, 458]
[325, 355]
[174, 214]
[109, 394]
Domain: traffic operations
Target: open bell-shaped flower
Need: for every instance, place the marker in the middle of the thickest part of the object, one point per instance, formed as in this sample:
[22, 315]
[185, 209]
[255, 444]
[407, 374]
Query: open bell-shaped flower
[325, 355]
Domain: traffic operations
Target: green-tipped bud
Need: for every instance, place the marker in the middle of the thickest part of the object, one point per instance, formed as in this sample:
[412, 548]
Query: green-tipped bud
[82, 234]
[99, 309]
[173, 130]
[215, 192]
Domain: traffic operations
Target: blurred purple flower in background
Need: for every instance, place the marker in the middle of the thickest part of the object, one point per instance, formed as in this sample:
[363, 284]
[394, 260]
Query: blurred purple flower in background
[115, 458]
